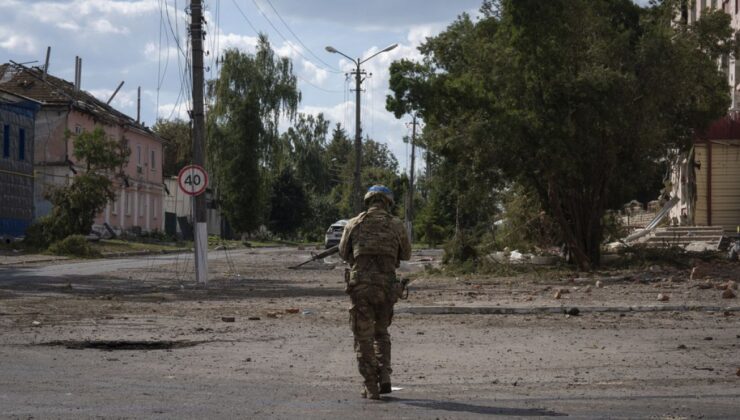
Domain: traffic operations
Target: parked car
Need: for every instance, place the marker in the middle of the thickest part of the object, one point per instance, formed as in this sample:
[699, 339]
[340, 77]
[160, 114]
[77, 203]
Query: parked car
[334, 233]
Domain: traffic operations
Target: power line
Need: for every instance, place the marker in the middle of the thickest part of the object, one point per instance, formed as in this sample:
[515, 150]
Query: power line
[249, 22]
[289, 43]
[336, 70]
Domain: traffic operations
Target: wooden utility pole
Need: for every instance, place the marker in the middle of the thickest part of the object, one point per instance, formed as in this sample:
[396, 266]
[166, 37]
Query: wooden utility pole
[410, 201]
[357, 204]
[199, 144]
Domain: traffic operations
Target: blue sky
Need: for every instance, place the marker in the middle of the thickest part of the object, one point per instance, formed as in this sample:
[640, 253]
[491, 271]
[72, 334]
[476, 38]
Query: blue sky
[134, 41]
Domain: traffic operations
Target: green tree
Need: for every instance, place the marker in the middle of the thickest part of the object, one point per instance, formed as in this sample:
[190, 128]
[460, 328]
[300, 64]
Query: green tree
[75, 206]
[178, 144]
[573, 99]
[306, 140]
[250, 95]
[289, 204]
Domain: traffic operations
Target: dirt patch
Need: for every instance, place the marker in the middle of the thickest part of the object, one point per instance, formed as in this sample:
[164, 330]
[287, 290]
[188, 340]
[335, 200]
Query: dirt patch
[110, 345]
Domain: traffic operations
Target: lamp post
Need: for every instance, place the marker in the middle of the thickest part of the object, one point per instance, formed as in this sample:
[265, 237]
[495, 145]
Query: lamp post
[358, 73]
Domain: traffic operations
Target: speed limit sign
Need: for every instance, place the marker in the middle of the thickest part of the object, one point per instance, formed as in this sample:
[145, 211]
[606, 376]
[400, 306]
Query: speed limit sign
[193, 180]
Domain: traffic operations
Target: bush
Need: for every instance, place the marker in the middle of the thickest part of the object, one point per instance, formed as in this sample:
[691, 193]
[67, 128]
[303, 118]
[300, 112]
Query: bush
[73, 245]
[41, 233]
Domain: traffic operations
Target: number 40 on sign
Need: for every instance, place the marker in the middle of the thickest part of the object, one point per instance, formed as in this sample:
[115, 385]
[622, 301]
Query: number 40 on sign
[193, 180]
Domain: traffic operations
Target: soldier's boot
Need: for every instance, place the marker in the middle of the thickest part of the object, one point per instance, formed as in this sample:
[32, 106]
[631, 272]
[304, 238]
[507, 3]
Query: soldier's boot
[371, 391]
[384, 379]
[368, 367]
[383, 356]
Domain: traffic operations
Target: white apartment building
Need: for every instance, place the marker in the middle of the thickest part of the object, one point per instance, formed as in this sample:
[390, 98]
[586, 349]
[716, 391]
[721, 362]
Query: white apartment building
[729, 64]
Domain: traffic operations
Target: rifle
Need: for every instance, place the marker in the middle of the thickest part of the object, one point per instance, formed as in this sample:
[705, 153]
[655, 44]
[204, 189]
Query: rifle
[331, 251]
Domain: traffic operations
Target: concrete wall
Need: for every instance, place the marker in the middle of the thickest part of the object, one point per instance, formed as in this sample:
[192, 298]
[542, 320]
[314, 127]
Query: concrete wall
[16, 166]
[181, 204]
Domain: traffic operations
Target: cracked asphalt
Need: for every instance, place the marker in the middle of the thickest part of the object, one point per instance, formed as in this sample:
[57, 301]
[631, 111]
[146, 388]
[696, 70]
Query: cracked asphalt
[69, 333]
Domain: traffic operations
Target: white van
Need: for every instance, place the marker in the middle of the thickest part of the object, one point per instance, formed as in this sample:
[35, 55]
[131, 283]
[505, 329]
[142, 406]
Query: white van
[334, 233]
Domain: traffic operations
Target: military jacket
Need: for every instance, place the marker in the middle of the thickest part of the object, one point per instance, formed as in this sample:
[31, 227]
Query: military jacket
[375, 241]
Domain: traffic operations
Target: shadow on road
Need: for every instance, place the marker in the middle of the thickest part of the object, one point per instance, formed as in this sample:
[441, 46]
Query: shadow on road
[477, 409]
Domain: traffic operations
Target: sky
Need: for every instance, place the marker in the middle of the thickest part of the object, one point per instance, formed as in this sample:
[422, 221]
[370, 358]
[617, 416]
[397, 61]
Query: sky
[143, 43]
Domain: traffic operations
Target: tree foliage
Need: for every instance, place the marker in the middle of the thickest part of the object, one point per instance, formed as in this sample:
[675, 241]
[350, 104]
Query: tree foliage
[75, 206]
[250, 95]
[289, 204]
[573, 99]
[178, 145]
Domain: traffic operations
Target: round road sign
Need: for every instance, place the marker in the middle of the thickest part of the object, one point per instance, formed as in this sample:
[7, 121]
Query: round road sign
[192, 179]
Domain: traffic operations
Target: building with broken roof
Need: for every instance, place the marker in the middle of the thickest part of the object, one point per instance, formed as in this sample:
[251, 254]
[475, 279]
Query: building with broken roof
[16, 164]
[65, 108]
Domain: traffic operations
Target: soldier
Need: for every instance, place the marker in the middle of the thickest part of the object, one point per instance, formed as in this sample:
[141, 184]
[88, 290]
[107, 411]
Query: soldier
[374, 243]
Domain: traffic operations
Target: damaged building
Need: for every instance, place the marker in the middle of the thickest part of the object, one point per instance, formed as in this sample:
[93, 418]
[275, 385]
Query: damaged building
[63, 108]
[16, 164]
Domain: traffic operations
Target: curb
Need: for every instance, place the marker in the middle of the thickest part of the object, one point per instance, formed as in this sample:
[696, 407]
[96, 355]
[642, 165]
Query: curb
[141, 253]
[103, 256]
[24, 262]
[488, 310]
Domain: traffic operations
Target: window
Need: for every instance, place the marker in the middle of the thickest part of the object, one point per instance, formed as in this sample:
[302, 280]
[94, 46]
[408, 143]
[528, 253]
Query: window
[138, 154]
[78, 130]
[6, 141]
[21, 144]
[152, 161]
[154, 206]
[127, 198]
[142, 204]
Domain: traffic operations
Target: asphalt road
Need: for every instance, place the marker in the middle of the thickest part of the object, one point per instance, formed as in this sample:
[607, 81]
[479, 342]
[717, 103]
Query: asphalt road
[81, 348]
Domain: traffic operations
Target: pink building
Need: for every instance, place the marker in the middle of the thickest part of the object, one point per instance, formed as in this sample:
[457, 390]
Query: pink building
[64, 106]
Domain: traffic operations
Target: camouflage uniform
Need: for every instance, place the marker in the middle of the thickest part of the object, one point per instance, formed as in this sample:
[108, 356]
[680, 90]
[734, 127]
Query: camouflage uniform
[373, 243]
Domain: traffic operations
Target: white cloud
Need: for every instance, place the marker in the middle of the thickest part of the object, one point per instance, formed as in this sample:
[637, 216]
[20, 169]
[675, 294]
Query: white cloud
[314, 73]
[240, 42]
[171, 111]
[124, 98]
[152, 53]
[18, 43]
[335, 113]
[288, 49]
[88, 15]
[104, 26]
[418, 34]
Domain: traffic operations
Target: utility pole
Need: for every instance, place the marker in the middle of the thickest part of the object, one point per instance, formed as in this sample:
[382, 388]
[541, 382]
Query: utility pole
[199, 145]
[410, 198]
[358, 73]
[356, 182]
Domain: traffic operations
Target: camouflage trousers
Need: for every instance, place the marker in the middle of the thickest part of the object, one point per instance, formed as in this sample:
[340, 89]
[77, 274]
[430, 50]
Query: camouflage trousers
[370, 316]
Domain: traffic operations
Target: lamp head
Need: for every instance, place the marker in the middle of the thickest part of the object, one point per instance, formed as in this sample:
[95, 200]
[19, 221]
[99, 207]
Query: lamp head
[390, 47]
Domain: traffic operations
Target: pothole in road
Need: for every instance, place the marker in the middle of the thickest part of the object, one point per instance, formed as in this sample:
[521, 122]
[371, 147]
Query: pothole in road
[111, 345]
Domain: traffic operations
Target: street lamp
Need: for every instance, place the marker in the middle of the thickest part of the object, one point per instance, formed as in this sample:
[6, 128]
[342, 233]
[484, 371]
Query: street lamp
[359, 73]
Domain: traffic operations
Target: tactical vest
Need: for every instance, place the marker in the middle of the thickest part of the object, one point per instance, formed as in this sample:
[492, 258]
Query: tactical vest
[375, 235]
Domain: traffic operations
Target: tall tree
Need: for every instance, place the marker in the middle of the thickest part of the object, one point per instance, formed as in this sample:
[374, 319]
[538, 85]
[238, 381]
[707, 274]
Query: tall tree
[178, 144]
[306, 141]
[571, 98]
[250, 95]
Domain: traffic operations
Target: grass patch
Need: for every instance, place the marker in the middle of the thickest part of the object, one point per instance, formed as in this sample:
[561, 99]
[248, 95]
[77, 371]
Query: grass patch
[108, 246]
[74, 246]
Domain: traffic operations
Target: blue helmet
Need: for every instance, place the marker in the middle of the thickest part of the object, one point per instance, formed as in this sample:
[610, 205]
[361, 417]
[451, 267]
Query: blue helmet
[381, 190]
